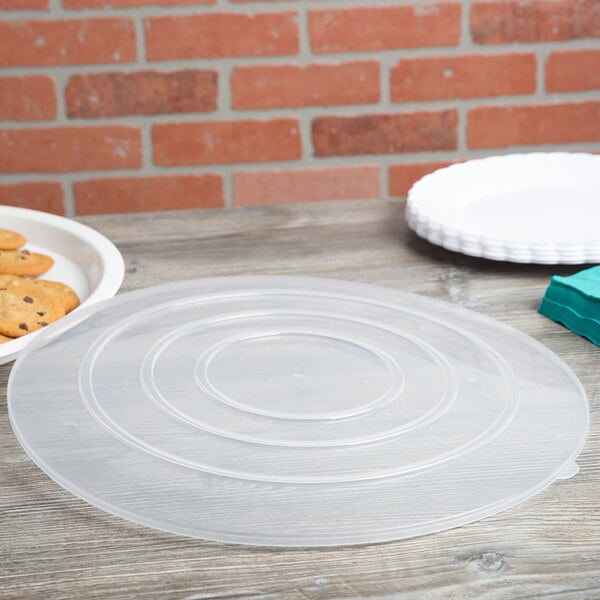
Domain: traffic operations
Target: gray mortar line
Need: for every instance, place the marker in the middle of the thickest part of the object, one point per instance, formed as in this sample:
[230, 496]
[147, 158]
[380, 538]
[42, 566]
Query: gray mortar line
[228, 185]
[542, 58]
[57, 11]
[140, 41]
[69, 197]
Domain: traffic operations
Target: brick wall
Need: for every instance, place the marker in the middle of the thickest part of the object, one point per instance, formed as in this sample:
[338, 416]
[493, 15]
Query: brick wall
[134, 105]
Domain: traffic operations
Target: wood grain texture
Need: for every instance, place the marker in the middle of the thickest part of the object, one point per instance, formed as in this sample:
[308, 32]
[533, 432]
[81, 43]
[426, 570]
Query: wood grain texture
[53, 545]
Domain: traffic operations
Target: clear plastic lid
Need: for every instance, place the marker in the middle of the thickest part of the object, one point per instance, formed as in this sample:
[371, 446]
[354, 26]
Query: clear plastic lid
[295, 411]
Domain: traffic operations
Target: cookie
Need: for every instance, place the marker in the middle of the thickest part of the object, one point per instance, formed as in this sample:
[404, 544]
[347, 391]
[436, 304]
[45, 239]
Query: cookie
[4, 339]
[23, 262]
[11, 240]
[25, 310]
[61, 292]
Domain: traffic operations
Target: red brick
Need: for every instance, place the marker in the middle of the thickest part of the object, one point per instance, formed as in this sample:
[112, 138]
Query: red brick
[221, 34]
[384, 27]
[62, 149]
[142, 93]
[573, 71]
[39, 195]
[385, 133]
[77, 4]
[137, 194]
[280, 86]
[305, 185]
[502, 126]
[24, 4]
[508, 21]
[29, 98]
[71, 42]
[219, 142]
[402, 177]
[463, 77]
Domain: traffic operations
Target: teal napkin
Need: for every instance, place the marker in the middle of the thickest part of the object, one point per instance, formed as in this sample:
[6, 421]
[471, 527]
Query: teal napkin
[574, 301]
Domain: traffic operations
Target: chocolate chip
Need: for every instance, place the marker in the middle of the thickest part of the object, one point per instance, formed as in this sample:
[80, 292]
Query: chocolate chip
[28, 299]
[42, 323]
[25, 252]
[23, 326]
[41, 313]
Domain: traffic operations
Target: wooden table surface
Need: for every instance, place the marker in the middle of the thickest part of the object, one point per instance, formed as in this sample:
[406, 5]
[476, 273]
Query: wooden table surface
[54, 545]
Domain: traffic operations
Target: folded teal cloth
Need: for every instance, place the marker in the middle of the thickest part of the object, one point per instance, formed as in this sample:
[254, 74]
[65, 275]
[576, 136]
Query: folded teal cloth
[574, 301]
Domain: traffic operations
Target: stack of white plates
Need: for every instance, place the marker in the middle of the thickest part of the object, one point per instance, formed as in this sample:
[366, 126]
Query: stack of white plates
[528, 208]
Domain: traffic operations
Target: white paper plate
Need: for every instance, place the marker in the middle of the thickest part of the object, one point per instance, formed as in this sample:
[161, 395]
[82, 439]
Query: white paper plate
[529, 208]
[84, 259]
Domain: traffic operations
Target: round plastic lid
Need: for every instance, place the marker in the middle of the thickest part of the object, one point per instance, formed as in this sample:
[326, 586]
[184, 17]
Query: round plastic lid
[295, 411]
